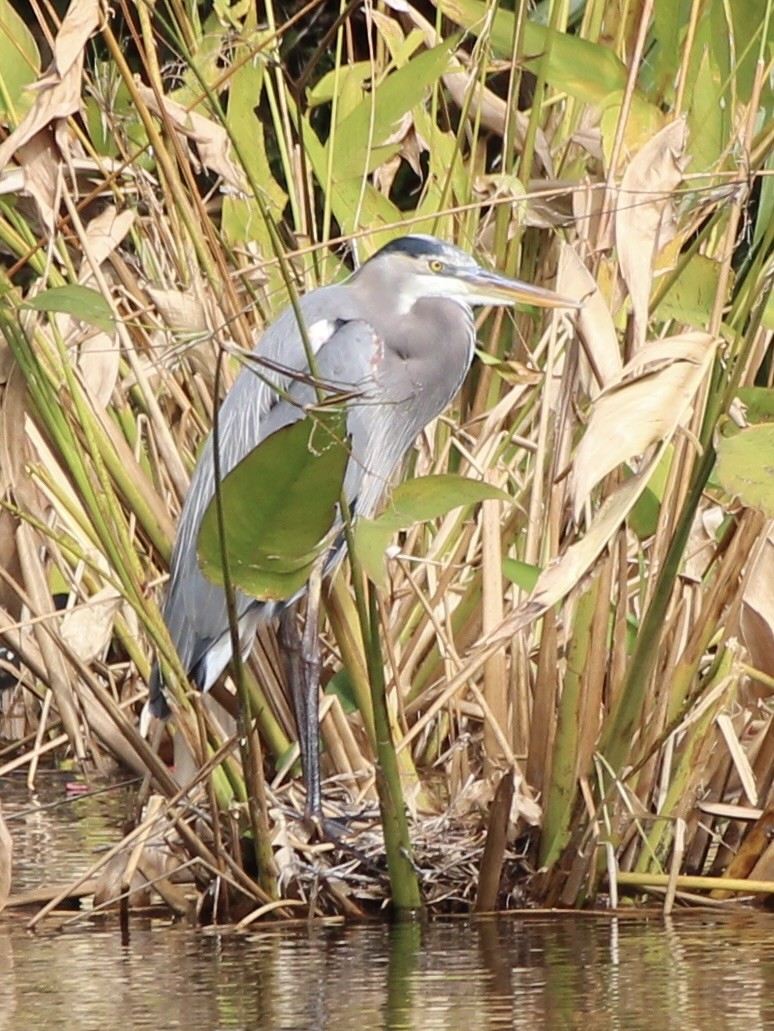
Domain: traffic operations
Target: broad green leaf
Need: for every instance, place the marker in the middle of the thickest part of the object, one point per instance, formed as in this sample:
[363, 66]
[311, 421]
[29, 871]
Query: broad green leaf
[348, 199]
[79, 301]
[708, 122]
[279, 506]
[768, 312]
[745, 466]
[692, 295]
[759, 402]
[242, 217]
[341, 685]
[415, 501]
[583, 69]
[665, 55]
[523, 574]
[19, 65]
[643, 518]
[339, 80]
[644, 120]
[360, 139]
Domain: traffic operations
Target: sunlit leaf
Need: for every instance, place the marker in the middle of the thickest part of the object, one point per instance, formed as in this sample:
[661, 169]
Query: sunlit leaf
[584, 69]
[279, 506]
[19, 64]
[521, 573]
[360, 138]
[759, 402]
[79, 301]
[691, 297]
[745, 466]
[415, 501]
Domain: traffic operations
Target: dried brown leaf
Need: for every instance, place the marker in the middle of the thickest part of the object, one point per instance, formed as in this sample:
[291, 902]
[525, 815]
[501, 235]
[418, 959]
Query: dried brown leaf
[59, 96]
[601, 355]
[80, 22]
[644, 405]
[104, 233]
[180, 309]
[212, 140]
[87, 629]
[757, 614]
[644, 217]
[560, 578]
[99, 360]
[38, 159]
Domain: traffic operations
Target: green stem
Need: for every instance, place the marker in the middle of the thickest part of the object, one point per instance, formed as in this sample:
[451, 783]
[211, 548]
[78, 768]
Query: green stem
[404, 883]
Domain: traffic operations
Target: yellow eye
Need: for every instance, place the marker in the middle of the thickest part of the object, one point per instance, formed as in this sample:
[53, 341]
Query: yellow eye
[435, 265]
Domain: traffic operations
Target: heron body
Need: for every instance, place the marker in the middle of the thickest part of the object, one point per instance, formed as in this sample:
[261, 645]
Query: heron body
[397, 339]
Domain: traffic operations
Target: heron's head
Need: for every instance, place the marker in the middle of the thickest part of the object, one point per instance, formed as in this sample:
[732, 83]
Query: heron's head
[421, 267]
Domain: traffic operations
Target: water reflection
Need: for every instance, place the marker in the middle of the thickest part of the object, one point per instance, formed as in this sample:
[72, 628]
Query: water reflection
[575, 972]
[527, 973]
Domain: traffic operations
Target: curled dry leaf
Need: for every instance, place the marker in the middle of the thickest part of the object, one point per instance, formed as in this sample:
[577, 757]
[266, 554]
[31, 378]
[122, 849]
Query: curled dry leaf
[756, 621]
[104, 233]
[80, 22]
[99, 361]
[644, 405]
[561, 577]
[181, 310]
[645, 215]
[212, 140]
[87, 628]
[600, 354]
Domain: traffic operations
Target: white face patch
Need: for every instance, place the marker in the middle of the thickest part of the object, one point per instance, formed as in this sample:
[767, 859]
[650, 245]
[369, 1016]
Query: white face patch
[320, 333]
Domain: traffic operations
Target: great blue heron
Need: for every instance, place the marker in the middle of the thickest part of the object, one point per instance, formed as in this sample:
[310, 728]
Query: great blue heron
[397, 337]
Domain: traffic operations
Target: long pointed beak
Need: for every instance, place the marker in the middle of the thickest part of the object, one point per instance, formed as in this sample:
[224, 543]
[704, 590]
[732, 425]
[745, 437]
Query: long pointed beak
[485, 287]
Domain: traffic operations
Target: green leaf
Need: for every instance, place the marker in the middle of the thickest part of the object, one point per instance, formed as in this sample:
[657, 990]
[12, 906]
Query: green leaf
[78, 301]
[708, 121]
[360, 139]
[416, 501]
[583, 69]
[745, 466]
[523, 574]
[279, 506]
[691, 297]
[759, 402]
[19, 64]
[643, 518]
[342, 686]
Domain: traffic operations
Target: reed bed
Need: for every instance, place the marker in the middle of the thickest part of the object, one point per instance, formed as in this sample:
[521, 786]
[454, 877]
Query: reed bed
[579, 679]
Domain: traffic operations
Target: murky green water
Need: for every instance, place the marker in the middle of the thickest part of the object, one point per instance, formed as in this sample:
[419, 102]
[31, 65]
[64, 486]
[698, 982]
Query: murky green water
[703, 972]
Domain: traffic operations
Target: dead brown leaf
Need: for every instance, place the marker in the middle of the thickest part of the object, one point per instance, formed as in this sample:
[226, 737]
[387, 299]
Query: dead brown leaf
[600, 355]
[756, 620]
[104, 233]
[561, 577]
[646, 404]
[213, 145]
[80, 22]
[87, 629]
[645, 214]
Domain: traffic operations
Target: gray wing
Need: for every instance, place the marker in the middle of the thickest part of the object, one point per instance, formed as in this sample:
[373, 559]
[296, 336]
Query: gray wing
[195, 609]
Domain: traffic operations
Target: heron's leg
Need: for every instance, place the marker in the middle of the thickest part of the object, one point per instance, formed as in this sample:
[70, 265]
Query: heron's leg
[302, 655]
[310, 663]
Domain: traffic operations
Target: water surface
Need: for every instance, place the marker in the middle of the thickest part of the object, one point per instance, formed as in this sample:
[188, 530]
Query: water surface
[695, 972]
